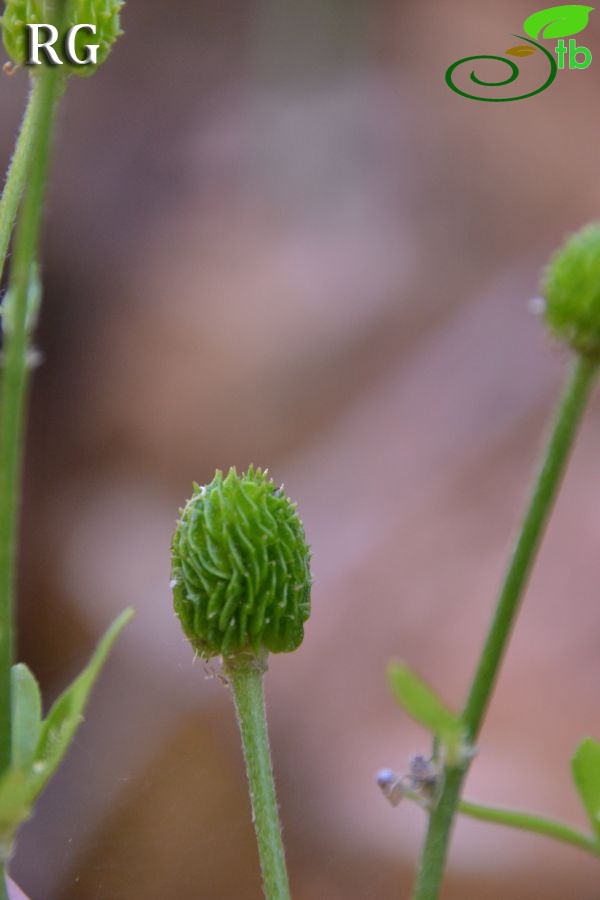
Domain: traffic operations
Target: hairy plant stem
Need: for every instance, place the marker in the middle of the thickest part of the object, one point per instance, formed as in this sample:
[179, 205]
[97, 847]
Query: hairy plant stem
[530, 822]
[17, 171]
[245, 676]
[562, 436]
[14, 381]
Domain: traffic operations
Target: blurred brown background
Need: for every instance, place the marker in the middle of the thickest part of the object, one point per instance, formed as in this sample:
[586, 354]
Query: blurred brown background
[275, 236]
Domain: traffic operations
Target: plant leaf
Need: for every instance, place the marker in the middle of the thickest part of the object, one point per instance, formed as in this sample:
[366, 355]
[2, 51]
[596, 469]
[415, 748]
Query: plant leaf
[557, 21]
[66, 714]
[39, 747]
[423, 704]
[26, 716]
[521, 50]
[585, 766]
[15, 805]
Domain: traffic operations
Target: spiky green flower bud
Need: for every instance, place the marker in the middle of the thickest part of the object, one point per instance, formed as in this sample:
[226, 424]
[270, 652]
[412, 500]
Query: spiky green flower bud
[571, 289]
[240, 567]
[102, 14]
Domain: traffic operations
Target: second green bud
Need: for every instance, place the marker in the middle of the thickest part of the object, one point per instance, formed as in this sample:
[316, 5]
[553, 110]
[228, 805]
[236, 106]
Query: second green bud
[102, 15]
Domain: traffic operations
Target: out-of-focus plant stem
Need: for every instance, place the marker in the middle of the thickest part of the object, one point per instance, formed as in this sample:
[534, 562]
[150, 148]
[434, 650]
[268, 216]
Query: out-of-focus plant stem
[17, 171]
[562, 437]
[16, 350]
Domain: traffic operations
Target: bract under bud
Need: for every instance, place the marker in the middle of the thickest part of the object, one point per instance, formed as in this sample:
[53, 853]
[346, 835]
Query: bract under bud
[240, 568]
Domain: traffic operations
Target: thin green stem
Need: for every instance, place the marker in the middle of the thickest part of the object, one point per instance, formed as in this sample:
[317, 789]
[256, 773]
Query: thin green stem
[246, 679]
[562, 436]
[530, 822]
[14, 382]
[3, 885]
[17, 172]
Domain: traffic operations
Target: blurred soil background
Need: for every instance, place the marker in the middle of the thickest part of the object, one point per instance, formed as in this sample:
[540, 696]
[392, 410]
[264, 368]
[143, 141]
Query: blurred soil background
[275, 236]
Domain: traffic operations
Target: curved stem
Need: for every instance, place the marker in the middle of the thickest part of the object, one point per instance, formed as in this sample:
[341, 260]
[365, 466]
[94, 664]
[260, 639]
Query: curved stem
[17, 172]
[246, 679]
[562, 436]
[530, 822]
[16, 328]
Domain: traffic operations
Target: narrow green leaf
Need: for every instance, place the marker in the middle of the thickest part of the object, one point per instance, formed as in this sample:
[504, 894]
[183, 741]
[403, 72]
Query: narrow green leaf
[557, 21]
[422, 704]
[66, 714]
[26, 716]
[585, 766]
[15, 805]
[39, 747]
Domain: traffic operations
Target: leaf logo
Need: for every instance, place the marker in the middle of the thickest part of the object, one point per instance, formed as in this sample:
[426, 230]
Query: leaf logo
[521, 50]
[557, 21]
[551, 23]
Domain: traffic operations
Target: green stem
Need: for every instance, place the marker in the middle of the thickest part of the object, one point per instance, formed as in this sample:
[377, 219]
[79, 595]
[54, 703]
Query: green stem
[14, 382]
[3, 884]
[17, 172]
[530, 822]
[562, 436]
[246, 679]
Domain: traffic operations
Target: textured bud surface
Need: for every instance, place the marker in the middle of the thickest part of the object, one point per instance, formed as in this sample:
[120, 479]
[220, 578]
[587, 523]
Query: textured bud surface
[571, 289]
[104, 14]
[240, 567]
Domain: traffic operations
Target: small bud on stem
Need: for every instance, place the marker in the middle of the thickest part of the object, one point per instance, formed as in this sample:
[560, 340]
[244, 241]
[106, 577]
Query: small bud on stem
[241, 588]
[571, 289]
[103, 15]
[241, 577]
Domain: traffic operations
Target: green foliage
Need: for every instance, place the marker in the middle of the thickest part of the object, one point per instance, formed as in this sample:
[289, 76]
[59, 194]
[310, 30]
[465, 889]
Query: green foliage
[423, 705]
[241, 567]
[66, 714]
[31, 748]
[103, 14]
[38, 746]
[571, 288]
[557, 21]
[26, 717]
[585, 766]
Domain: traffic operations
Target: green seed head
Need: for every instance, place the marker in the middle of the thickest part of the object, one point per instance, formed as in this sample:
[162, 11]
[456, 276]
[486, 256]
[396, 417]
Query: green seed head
[103, 14]
[240, 568]
[571, 289]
